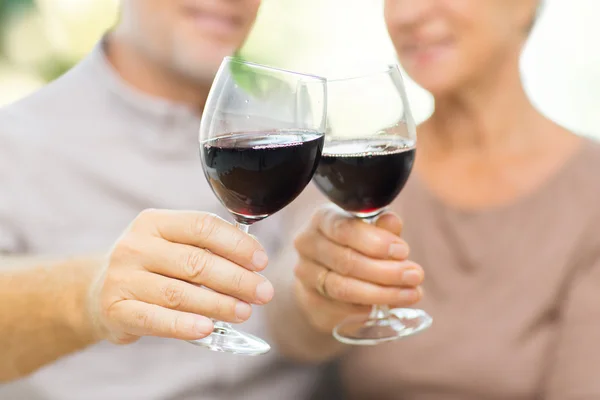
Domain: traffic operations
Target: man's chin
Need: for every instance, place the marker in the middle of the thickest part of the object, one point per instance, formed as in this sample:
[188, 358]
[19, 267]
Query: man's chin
[203, 65]
[199, 73]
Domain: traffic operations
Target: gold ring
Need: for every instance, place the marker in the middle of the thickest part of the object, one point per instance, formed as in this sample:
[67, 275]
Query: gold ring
[321, 283]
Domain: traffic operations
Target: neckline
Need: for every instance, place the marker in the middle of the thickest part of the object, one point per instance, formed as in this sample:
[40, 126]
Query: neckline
[550, 182]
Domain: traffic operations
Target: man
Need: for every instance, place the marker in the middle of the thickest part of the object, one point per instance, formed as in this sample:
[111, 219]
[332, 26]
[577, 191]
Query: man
[79, 160]
[83, 156]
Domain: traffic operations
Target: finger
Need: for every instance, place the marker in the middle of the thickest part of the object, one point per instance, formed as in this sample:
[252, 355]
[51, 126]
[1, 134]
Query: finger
[182, 296]
[350, 290]
[359, 235]
[202, 267]
[325, 314]
[207, 231]
[142, 319]
[348, 262]
[390, 222]
[315, 301]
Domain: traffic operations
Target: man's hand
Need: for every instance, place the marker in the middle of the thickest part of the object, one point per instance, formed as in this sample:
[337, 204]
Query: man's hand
[171, 272]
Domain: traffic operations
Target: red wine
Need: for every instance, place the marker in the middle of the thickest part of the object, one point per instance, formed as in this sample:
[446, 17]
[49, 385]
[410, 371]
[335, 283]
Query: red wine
[364, 176]
[257, 174]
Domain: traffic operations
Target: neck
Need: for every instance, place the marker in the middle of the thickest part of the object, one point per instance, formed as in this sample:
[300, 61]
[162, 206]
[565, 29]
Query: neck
[150, 77]
[488, 115]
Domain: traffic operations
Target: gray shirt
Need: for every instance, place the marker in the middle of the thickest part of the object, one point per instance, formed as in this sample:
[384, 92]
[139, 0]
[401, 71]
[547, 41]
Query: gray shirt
[79, 160]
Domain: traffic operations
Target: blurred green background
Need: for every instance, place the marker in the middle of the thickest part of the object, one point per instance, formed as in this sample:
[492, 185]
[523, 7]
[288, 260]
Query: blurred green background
[41, 39]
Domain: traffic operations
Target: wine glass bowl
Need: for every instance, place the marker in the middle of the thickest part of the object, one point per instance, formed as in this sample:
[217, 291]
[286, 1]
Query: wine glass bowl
[256, 174]
[261, 138]
[369, 152]
[363, 176]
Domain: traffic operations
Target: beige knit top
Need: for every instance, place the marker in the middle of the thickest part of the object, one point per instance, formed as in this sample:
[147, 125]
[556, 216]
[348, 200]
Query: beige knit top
[514, 293]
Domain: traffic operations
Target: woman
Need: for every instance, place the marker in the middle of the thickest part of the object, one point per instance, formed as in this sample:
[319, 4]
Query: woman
[501, 212]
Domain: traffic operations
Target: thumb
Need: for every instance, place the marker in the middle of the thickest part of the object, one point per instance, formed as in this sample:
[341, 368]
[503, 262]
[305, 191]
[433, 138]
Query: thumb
[390, 222]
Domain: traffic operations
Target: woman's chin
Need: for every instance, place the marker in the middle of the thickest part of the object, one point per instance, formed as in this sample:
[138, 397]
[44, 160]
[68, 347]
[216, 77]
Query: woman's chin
[437, 86]
[435, 77]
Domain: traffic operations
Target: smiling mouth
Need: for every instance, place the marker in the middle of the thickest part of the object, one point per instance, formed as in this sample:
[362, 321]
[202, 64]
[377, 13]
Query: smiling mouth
[220, 24]
[426, 46]
[426, 51]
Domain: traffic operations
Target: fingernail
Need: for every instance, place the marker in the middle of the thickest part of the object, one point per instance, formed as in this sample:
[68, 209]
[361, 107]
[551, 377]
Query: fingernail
[398, 251]
[264, 292]
[242, 311]
[260, 259]
[203, 326]
[412, 277]
[409, 296]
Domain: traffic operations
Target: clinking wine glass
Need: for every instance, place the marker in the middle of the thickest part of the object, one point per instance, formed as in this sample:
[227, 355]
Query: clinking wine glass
[368, 156]
[261, 138]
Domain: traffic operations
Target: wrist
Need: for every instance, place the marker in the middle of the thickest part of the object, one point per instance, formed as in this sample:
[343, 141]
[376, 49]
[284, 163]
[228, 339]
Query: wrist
[318, 327]
[78, 300]
[311, 311]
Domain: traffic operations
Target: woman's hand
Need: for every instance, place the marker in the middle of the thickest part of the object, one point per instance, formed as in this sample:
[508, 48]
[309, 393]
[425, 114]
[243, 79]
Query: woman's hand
[347, 265]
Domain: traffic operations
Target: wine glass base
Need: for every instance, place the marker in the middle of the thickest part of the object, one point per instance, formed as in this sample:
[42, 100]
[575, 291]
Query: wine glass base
[365, 330]
[228, 340]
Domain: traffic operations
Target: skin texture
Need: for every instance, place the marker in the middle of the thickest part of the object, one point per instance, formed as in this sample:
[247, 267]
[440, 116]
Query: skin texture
[181, 41]
[434, 38]
[368, 264]
[148, 284]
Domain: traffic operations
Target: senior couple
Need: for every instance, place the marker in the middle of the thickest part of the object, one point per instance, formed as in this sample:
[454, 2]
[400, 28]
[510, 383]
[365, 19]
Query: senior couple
[105, 275]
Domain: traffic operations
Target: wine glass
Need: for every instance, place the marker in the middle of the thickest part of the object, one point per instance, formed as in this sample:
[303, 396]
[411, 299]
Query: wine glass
[368, 156]
[261, 138]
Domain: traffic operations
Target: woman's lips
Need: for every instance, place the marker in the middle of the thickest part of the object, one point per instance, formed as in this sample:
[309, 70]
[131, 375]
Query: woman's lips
[426, 51]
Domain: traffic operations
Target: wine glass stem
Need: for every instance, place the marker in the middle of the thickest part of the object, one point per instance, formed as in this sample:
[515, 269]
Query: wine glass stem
[380, 312]
[221, 327]
[371, 220]
[242, 227]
